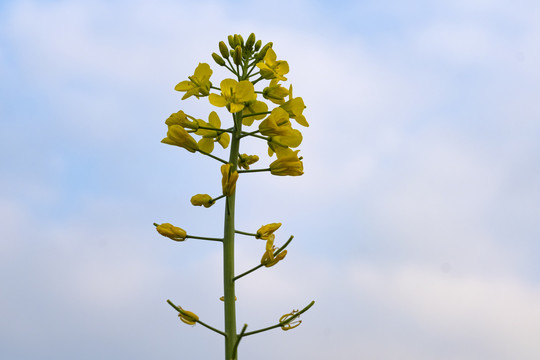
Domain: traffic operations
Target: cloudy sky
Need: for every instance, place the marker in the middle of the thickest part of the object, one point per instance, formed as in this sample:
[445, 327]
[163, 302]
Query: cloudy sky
[416, 222]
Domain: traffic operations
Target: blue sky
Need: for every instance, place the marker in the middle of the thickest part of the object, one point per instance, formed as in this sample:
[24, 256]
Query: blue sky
[416, 221]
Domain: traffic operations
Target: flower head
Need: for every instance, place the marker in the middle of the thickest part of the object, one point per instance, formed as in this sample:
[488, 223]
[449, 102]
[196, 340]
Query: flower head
[172, 232]
[292, 320]
[270, 68]
[295, 107]
[266, 230]
[253, 107]
[206, 144]
[187, 316]
[199, 84]
[234, 95]
[178, 136]
[278, 127]
[269, 258]
[228, 181]
[180, 118]
[287, 163]
[202, 200]
[244, 160]
[275, 92]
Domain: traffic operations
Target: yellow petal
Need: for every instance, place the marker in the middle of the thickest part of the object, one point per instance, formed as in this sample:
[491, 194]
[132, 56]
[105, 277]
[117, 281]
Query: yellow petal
[206, 144]
[217, 100]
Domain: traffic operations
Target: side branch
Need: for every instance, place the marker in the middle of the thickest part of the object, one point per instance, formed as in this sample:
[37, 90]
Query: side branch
[261, 265]
[237, 342]
[253, 170]
[212, 156]
[256, 114]
[198, 321]
[203, 238]
[282, 323]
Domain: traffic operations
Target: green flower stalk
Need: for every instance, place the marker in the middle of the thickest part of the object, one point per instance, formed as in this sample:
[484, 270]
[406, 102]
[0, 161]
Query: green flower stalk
[250, 63]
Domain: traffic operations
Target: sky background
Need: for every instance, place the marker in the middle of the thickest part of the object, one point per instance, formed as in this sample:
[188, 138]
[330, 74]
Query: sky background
[416, 222]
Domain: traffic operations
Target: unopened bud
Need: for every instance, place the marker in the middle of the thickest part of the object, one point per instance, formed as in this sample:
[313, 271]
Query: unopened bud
[230, 38]
[258, 45]
[223, 50]
[218, 59]
[250, 41]
[237, 56]
[263, 51]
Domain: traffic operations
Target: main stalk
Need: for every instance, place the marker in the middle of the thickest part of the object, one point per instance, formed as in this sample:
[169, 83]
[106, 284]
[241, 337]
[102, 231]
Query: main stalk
[228, 247]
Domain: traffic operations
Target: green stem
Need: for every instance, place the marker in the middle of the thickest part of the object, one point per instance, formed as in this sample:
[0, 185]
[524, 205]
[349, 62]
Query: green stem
[283, 322]
[215, 129]
[228, 247]
[235, 348]
[261, 265]
[255, 114]
[203, 238]
[212, 156]
[244, 233]
[198, 321]
[254, 170]
[217, 198]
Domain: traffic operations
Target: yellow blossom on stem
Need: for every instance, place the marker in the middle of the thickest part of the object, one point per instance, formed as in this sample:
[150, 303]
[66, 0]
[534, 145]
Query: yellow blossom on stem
[293, 323]
[199, 84]
[202, 200]
[188, 317]
[180, 118]
[178, 136]
[172, 232]
[228, 181]
[268, 259]
[279, 128]
[234, 95]
[295, 107]
[287, 163]
[266, 230]
[206, 144]
[252, 107]
[244, 160]
[270, 68]
[275, 92]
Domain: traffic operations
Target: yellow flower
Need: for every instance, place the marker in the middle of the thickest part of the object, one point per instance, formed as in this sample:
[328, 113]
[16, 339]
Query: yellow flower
[252, 107]
[295, 107]
[287, 163]
[180, 118]
[275, 92]
[270, 68]
[188, 317]
[171, 231]
[268, 259]
[178, 136]
[291, 324]
[199, 84]
[228, 181]
[266, 230]
[244, 160]
[278, 127]
[233, 95]
[206, 144]
[202, 200]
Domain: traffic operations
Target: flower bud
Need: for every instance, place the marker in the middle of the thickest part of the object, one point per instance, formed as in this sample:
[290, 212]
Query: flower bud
[230, 38]
[238, 40]
[172, 232]
[202, 200]
[228, 181]
[258, 45]
[223, 50]
[237, 56]
[250, 41]
[218, 59]
[263, 51]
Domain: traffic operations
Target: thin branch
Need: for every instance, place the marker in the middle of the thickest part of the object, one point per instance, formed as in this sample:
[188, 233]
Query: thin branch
[237, 342]
[212, 156]
[261, 265]
[255, 114]
[244, 233]
[203, 238]
[254, 170]
[198, 321]
[284, 322]
[215, 129]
